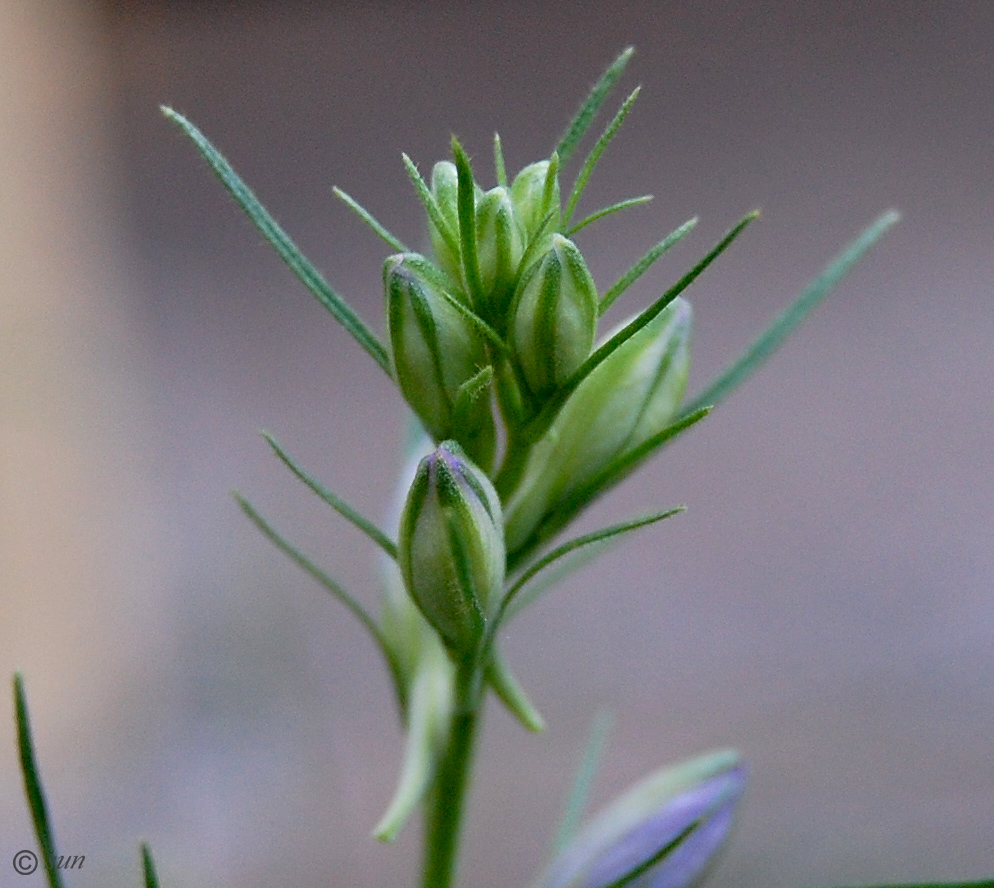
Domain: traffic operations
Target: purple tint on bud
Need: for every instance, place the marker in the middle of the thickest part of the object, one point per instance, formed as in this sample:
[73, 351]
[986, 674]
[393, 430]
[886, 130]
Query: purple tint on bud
[451, 546]
[661, 834]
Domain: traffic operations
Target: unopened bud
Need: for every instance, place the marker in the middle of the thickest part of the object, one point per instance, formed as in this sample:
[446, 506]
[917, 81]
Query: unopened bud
[499, 247]
[535, 192]
[628, 398]
[445, 189]
[451, 546]
[554, 317]
[435, 352]
[662, 833]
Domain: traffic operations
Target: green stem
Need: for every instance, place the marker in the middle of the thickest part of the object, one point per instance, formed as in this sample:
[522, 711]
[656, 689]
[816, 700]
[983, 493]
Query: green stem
[445, 804]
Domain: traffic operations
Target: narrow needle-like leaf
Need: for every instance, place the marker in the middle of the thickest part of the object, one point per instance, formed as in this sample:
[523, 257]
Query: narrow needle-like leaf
[148, 868]
[643, 265]
[588, 110]
[33, 789]
[310, 567]
[309, 276]
[785, 324]
[499, 167]
[431, 206]
[370, 220]
[541, 422]
[583, 783]
[596, 152]
[611, 474]
[507, 605]
[606, 211]
[506, 686]
[335, 501]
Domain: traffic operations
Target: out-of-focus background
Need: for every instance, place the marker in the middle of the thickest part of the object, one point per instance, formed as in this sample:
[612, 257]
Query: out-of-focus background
[827, 603]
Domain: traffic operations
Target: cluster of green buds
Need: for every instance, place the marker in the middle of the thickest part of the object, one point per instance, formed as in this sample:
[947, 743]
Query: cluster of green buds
[527, 418]
[492, 342]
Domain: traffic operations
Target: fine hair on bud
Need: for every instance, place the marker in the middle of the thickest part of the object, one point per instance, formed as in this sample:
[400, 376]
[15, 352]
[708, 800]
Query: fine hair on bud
[436, 352]
[451, 546]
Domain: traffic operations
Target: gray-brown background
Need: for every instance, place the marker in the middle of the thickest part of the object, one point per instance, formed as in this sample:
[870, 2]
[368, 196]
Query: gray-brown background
[826, 605]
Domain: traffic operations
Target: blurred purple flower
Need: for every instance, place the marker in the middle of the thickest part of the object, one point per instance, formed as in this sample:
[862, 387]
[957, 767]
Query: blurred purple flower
[662, 833]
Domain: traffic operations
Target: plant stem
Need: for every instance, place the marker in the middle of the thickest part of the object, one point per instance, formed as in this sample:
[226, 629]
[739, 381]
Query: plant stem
[445, 804]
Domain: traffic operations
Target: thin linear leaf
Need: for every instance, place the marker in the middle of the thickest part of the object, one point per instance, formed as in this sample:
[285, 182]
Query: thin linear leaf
[335, 501]
[369, 219]
[613, 473]
[507, 687]
[148, 867]
[785, 323]
[467, 222]
[595, 153]
[555, 573]
[588, 110]
[643, 265]
[311, 568]
[308, 275]
[431, 206]
[570, 546]
[499, 168]
[544, 419]
[33, 789]
[606, 211]
[583, 783]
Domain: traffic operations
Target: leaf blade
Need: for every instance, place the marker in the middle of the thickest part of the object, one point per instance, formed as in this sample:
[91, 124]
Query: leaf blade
[306, 273]
[148, 867]
[332, 499]
[33, 789]
[595, 153]
[369, 219]
[643, 264]
[581, 121]
[583, 783]
[572, 545]
[309, 567]
[787, 321]
[607, 211]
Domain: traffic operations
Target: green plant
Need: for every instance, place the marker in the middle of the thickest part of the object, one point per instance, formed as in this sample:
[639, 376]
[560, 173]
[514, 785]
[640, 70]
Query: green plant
[526, 419]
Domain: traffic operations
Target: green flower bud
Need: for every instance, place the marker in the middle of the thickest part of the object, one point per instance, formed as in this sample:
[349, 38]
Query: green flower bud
[554, 317]
[534, 193]
[435, 352]
[451, 546]
[499, 246]
[445, 188]
[632, 395]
